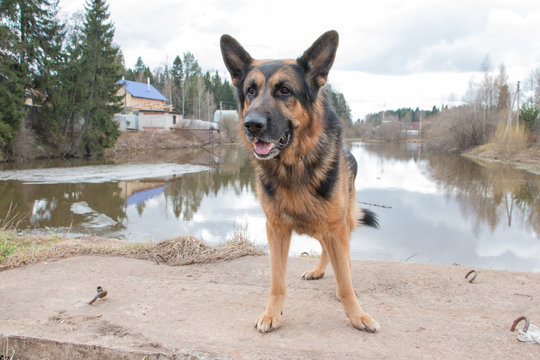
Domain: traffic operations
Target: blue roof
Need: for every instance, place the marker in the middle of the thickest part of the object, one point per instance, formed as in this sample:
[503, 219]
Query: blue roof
[142, 90]
[141, 196]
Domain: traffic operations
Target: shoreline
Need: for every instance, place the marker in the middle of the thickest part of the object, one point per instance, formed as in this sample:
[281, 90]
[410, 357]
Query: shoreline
[530, 166]
[22, 250]
[527, 157]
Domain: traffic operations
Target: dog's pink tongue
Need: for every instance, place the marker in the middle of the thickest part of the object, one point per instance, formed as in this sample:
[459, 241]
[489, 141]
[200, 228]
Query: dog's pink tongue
[263, 148]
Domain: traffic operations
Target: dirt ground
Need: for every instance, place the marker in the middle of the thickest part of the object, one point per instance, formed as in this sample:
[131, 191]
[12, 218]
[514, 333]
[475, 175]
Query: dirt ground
[207, 311]
[139, 141]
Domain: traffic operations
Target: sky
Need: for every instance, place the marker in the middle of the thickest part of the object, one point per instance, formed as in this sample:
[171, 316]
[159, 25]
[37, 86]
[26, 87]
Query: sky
[392, 54]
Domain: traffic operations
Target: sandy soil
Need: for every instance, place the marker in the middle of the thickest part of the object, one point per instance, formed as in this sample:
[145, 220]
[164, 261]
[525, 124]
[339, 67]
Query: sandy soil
[207, 311]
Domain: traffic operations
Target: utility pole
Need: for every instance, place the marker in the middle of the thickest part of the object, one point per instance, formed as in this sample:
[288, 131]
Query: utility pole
[510, 117]
[517, 103]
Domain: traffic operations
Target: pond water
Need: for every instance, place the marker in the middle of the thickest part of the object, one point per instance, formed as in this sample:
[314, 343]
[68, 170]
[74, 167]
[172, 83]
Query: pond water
[432, 209]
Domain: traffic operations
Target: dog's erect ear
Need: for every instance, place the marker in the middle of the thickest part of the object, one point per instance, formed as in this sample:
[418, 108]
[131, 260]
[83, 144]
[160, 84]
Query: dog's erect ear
[318, 59]
[235, 57]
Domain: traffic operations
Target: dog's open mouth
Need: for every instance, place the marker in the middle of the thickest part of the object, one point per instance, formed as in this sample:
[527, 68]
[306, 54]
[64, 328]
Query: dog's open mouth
[267, 150]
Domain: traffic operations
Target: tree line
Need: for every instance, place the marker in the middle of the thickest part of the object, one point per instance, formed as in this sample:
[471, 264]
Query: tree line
[489, 113]
[69, 70]
[404, 115]
[389, 125]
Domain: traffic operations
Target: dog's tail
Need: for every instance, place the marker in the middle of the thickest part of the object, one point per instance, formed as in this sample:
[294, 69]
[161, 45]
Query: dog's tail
[368, 218]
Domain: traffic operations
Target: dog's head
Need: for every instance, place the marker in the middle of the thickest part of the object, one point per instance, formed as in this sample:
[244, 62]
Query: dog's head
[277, 97]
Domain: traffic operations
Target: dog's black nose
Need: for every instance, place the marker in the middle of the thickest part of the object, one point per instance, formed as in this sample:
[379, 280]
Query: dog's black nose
[255, 124]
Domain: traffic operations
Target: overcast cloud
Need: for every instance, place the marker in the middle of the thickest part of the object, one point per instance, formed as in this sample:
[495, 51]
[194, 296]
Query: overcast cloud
[392, 54]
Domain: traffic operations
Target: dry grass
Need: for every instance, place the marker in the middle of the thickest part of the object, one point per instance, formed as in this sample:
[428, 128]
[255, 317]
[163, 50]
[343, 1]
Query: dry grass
[18, 251]
[11, 219]
[186, 250]
[509, 141]
[513, 144]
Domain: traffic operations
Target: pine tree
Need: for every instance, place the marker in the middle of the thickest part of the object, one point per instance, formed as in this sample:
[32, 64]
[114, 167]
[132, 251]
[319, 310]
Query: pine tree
[177, 74]
[36, 29]
[101, 71]
[30, 47]
[223, 92]
[139, 68]
[528, 115]
[141, 72]
[12, 86]
[340, 105]
[64, 112]
[192, 72]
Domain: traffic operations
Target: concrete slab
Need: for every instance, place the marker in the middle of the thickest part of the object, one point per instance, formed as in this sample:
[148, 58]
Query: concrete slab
[208, 311]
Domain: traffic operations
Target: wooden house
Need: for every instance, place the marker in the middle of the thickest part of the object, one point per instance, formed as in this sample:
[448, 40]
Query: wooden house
[145, 109]
[140, 96]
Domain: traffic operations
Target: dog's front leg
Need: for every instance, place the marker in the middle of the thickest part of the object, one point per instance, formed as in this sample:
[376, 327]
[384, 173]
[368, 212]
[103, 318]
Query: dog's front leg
[337, 246]
[279, 238]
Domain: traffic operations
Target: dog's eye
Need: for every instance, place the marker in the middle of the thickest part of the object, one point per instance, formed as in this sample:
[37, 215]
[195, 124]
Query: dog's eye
[250, 90]
[284, 91]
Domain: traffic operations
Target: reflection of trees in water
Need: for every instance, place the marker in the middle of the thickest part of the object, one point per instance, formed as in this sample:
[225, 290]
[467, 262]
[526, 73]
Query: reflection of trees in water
[186, 193]
[528, 201]
[50, 204]
[491, 193]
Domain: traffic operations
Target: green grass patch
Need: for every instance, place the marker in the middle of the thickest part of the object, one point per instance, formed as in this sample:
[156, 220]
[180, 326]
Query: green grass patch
[7, 245]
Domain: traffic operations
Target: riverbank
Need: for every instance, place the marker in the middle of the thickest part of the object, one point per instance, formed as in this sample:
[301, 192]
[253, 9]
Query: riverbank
[207, 311]
[129, 145]
[526, 157]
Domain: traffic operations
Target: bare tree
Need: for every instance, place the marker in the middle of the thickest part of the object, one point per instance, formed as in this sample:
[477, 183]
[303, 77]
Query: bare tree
[208, 106]
[200, 91]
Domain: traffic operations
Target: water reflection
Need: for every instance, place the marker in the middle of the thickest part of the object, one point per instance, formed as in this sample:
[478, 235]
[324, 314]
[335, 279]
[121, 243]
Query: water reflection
[437, 209]
[448, 209]
[49, 205]
[493, 194]
[125, 208]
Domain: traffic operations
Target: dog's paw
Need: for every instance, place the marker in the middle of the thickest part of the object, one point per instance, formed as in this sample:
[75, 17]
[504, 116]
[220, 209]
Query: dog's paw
[267, 322]
[313, 275]
[365, 322]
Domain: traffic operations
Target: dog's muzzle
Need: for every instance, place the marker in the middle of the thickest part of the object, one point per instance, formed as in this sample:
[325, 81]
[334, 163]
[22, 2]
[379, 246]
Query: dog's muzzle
[264, 147]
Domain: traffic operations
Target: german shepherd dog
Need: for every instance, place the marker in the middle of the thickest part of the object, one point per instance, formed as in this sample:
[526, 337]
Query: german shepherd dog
[304, 175]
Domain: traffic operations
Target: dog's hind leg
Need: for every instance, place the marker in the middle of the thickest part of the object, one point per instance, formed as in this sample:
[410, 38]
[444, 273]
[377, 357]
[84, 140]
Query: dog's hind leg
[279, 239]
[319, 270]
[337, 246]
